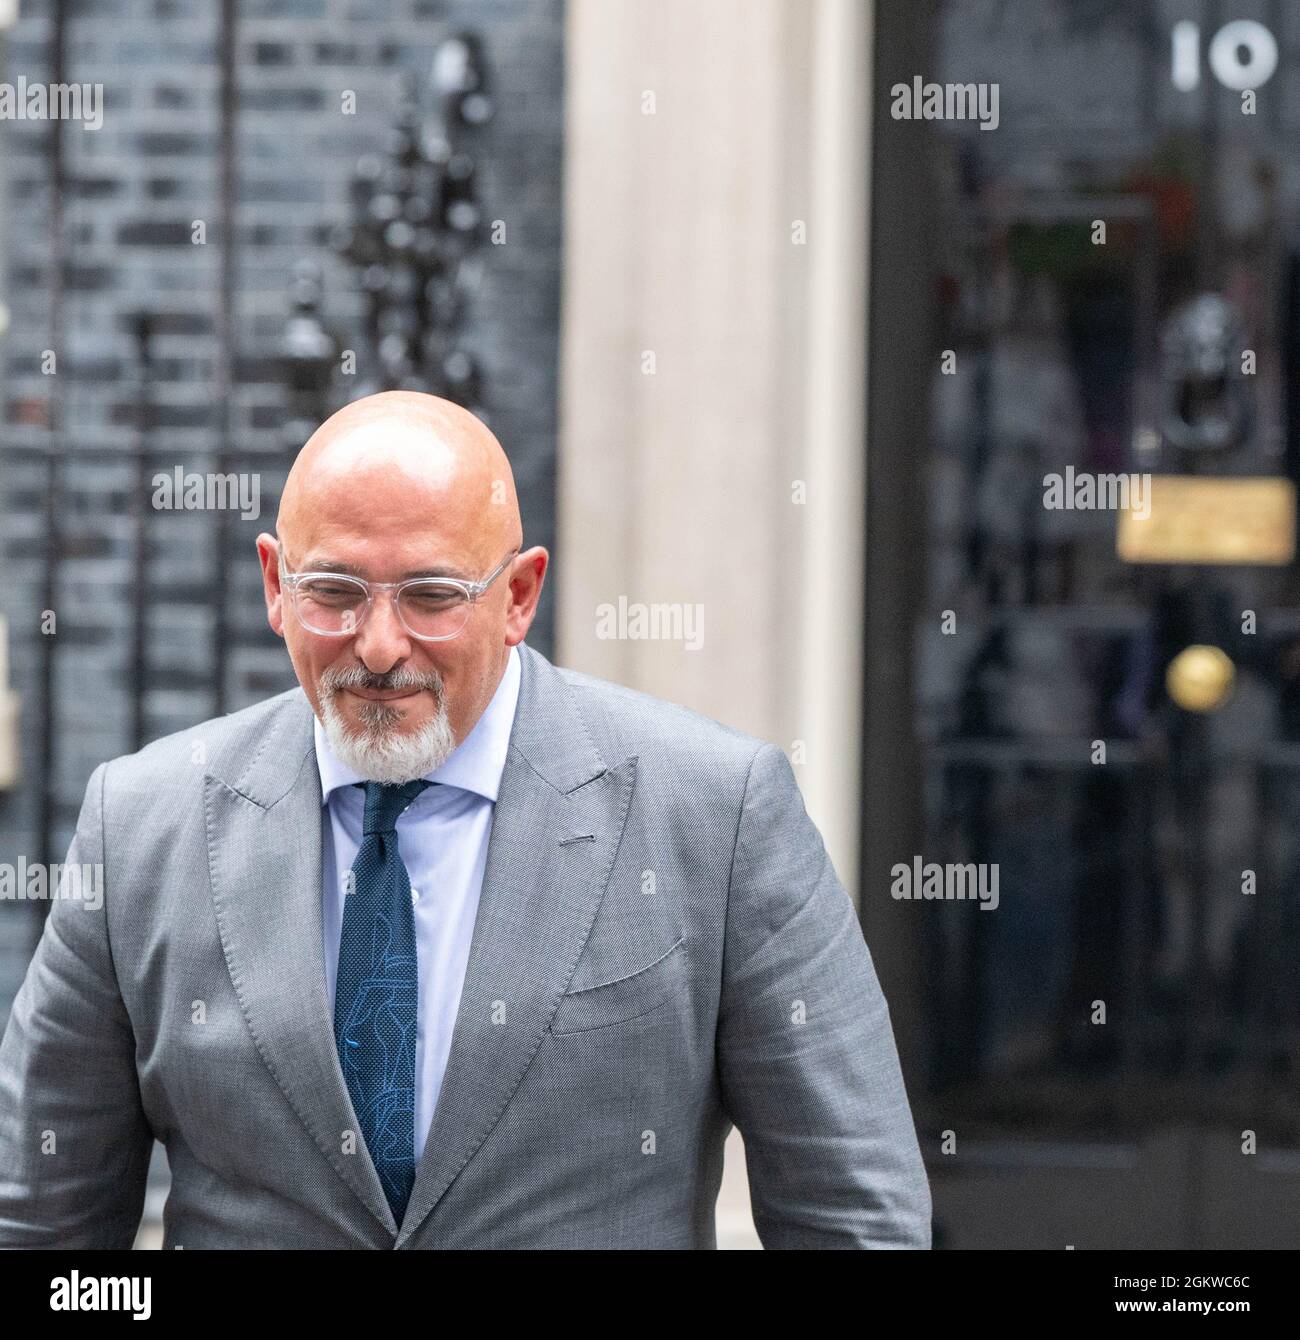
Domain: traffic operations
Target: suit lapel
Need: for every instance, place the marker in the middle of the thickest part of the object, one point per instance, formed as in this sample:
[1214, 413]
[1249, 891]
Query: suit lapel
[264, 855]
[540, 895]
[541, 891]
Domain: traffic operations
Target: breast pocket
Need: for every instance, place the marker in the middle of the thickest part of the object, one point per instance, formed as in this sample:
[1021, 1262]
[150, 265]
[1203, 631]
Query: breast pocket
[629, 997]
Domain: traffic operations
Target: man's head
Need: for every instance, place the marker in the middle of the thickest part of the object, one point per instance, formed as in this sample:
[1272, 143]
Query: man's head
[393, 487]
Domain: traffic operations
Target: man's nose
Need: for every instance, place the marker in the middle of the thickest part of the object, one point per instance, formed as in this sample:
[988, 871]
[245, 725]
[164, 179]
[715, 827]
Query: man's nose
[381, 640]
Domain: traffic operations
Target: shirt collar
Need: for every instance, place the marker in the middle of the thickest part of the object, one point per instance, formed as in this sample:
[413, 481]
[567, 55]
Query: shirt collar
[476, 764]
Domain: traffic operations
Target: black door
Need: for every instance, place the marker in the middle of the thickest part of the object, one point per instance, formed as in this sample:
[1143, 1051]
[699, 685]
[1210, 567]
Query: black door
[1081, 864]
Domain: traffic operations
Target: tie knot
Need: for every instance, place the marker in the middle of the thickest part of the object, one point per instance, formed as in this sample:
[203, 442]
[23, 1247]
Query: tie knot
[385, 802]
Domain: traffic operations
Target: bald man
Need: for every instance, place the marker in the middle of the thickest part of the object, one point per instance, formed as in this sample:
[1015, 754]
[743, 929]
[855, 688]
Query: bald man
[447, 947]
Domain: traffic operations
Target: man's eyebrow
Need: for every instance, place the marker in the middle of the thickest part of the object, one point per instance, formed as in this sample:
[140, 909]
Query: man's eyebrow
[351, 570]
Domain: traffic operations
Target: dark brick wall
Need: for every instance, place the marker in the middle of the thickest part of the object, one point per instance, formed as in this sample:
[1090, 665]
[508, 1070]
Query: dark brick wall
[136, 186]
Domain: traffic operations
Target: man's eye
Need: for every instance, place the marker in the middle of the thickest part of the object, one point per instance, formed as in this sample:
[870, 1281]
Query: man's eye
[331, 591]
[433, 599]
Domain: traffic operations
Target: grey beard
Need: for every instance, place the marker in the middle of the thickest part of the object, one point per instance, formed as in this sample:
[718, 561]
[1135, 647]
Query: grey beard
[382, 753]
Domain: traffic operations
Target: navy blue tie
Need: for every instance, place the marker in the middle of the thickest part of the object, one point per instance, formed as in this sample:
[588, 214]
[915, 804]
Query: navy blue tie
[376, 999]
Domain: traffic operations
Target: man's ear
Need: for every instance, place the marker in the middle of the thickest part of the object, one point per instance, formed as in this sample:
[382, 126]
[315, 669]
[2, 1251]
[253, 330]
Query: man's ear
[268, 555]
[526, 578]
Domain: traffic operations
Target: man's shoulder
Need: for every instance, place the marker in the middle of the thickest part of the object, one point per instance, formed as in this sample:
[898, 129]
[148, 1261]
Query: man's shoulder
[208, 746]
[628, 721]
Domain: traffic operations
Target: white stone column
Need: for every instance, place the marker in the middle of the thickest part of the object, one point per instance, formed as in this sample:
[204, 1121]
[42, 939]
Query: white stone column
[713, 365]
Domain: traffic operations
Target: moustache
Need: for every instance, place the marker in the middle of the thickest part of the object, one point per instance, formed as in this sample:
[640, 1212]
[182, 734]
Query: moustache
[358, 677]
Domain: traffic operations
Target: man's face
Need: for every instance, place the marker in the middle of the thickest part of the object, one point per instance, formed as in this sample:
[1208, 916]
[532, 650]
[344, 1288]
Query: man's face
[383, 686]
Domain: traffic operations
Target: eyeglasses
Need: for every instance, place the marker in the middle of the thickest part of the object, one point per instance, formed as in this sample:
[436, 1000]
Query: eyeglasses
[432, 609]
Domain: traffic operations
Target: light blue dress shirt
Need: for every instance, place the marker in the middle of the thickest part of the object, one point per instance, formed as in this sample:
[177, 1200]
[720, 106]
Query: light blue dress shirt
[443, 837]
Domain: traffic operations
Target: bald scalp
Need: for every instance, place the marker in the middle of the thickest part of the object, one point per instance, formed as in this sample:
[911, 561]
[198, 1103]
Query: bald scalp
[431, 442]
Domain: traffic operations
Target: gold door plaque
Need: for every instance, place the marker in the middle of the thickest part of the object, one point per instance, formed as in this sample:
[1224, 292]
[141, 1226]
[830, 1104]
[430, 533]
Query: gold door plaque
[1194, 519]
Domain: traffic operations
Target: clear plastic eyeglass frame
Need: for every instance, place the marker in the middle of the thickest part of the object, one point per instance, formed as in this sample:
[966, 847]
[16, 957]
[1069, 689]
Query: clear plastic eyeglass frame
[470, 590]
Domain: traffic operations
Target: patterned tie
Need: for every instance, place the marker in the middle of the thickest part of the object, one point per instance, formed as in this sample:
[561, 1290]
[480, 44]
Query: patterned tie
[376, 1000]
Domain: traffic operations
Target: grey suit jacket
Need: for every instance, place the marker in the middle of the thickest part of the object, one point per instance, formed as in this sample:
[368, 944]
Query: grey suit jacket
[661, 949]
